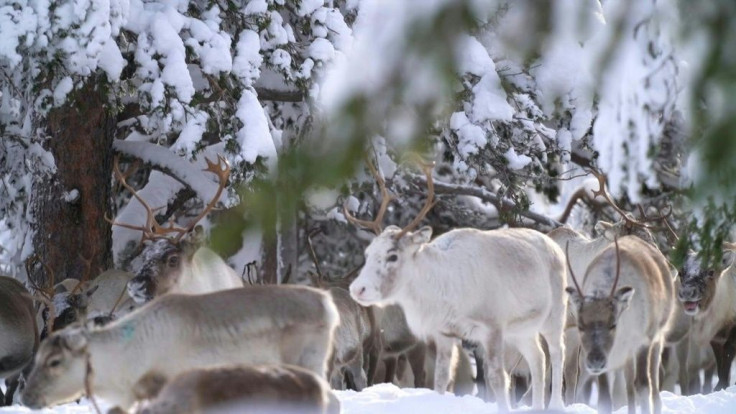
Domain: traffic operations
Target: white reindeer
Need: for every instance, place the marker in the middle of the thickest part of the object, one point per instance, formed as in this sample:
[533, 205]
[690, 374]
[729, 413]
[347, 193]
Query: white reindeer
[175, 333]
[172, 264]
[490, 287]
[626, 327]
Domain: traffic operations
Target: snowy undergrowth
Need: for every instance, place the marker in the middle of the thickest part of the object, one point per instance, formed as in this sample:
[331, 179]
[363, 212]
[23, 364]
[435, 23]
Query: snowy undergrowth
[388, 399]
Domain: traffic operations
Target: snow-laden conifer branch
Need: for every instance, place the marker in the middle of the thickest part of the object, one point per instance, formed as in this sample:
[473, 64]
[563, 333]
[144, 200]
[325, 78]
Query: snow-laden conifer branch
[191, 175]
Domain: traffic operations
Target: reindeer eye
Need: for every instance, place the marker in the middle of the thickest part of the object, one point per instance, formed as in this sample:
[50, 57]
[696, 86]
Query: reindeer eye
[173, 261]
[392, 258]
[53, 363]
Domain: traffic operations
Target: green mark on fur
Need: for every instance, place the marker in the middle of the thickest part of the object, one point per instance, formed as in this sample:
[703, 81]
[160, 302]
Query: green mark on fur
[128, 330]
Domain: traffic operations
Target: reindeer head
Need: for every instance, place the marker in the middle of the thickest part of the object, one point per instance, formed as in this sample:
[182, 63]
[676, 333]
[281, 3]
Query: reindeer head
[597, 315]
[384, 258]
[163, 263]
[697, 284]
[59, 370]
[391, 249]
[164, 255]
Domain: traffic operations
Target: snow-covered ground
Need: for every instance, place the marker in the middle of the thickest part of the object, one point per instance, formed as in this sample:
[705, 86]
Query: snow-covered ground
[389, 399]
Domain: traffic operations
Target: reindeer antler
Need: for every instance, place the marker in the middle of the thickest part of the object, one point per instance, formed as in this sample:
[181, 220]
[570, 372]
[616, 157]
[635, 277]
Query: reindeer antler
[606, 196]
[41, 294]
[222, 171]
[386, 198]
[618, 267]
[427, 167]
[152, 230]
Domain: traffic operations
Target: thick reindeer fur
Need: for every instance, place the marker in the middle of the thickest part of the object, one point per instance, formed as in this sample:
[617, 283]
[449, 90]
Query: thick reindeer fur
[261, 389]
[626, 328]
[356, 339]
[18, 331]
[175, 333]
[489, 287]
[183, 268]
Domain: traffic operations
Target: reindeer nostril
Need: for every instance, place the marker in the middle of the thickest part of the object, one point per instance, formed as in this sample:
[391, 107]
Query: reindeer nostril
[362, 290]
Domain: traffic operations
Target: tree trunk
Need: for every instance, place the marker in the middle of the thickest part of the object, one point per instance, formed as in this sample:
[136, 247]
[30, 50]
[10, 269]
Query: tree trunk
[72, 238]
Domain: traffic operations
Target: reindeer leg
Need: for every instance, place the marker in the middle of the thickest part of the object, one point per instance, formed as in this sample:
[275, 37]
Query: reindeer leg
[655, 361]
[534, 356]
[643, 382]
[480, 381]
[444, 366]
[724, 358]
[11, 385]
[605, 405]
[390, 374]
[497, 378]
[630, 375]
[416, 357]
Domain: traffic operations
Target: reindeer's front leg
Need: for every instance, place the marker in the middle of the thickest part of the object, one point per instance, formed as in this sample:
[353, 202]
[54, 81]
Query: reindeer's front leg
[443, 369]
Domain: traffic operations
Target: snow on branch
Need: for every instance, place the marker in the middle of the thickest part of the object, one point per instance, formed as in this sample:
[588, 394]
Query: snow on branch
[189, 174]
[485, 195]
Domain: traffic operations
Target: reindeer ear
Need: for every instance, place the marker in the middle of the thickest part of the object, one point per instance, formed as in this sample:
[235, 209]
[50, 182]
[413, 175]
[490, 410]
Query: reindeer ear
[423, 235]
[92, 290]
[75, 339]
[605, 229]
[575, 297]
[623, 296]
[729, 256]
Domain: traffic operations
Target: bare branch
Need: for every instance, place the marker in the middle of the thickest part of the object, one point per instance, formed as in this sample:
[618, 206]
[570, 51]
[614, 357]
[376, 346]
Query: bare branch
[485, 195]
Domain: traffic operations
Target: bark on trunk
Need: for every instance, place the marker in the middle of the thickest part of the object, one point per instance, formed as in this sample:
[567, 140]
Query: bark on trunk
[72, 238]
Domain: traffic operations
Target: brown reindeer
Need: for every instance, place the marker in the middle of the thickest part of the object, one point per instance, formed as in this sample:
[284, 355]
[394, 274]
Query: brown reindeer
[623, 310]
[253, 389]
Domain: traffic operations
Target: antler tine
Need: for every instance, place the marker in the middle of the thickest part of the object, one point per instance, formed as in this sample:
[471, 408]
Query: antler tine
[152, 230]
[222, 170]
[604, 193]
[427, 167]
[579, 194]
[618, 266]
[386, 198]
[569, 267]
[661, 216]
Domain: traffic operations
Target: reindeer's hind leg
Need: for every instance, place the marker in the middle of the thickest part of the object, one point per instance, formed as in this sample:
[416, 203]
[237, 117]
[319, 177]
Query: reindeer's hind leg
[534, 356]
[553, 335]
[493, 365]
[655, 360]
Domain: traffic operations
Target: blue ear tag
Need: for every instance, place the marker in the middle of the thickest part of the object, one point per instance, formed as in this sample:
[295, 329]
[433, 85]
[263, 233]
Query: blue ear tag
[128, 330]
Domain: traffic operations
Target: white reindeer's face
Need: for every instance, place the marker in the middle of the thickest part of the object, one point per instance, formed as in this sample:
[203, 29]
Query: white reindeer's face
[58, 371]
[163, 262]
[381, 276]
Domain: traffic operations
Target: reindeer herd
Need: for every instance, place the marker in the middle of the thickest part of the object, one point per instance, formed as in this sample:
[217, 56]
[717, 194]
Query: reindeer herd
[548, 314]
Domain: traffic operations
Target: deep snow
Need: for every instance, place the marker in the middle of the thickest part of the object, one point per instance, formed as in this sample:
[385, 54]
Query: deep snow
[389, 399]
